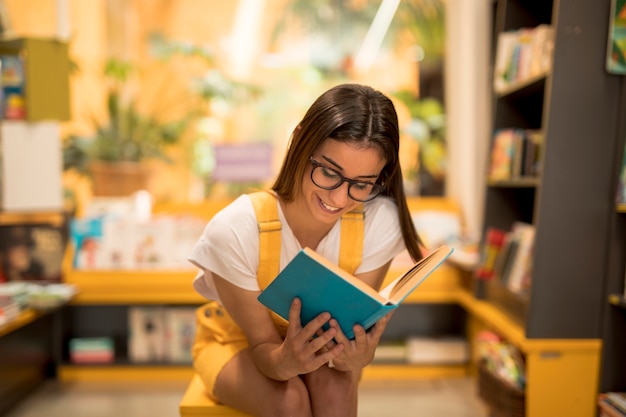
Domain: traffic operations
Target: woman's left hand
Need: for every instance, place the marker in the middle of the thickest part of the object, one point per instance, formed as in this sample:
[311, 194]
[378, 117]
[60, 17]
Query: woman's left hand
[357, 353]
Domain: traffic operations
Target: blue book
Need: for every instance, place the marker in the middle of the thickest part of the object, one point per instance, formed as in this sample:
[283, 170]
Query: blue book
[324, 287]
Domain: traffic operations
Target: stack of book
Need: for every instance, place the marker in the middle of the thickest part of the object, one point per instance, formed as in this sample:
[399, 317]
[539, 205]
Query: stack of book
[522, 55]
[612, 404]
[92, 350]
[507, 256]
[515, 154]
[422, 350]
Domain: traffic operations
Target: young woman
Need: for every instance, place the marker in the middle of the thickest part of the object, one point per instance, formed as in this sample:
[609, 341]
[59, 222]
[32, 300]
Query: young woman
[342, 156]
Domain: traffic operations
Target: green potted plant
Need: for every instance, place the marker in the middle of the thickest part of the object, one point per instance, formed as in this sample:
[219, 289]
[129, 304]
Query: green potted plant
[114, 156]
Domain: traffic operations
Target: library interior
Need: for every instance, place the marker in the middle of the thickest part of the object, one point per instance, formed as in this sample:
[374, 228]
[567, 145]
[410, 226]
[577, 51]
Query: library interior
[127, 125]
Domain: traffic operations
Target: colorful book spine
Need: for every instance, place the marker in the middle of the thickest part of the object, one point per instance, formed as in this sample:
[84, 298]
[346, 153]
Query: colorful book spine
[494, 239]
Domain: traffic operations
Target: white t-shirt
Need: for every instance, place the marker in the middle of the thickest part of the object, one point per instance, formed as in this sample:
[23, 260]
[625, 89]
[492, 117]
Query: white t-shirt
[229, 245]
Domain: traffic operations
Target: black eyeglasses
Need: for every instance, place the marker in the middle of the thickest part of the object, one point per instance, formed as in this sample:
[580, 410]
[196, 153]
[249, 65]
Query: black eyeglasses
[329, 179]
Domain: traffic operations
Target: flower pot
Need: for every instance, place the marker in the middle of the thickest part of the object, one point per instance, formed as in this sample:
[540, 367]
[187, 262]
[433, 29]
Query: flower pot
[119, 179]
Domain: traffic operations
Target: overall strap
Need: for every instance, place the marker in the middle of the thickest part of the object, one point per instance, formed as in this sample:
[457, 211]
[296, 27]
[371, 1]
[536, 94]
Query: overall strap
[266, 209]
[265, 206]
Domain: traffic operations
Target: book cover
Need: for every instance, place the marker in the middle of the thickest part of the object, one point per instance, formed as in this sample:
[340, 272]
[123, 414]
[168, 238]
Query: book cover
[31, 252]
[608, 408]
[521, 263]
[180, 328]
[502, 154]
[616, 48]
[621, 182]
[147, 334]
[494, 240]
[437, 350]
[324, 287]
[504, 261]
[505, 65]
[617, 399]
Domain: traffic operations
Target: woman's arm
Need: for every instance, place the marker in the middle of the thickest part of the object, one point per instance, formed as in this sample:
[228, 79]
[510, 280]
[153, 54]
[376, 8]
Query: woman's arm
[277, 358]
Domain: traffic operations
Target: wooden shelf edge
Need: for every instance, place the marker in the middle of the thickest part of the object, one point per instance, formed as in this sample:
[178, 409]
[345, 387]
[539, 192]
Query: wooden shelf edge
[73, 373]
[521, 85]
[25, 317]
[514, 333]
[375, 372]
[31, 217]
[175, 287]
[523, 182]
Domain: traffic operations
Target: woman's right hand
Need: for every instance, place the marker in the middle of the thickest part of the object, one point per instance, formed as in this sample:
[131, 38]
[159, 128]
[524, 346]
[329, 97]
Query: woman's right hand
[301, 350]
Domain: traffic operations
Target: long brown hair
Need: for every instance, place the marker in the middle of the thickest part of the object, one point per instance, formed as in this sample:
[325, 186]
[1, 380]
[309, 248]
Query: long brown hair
[359, 115]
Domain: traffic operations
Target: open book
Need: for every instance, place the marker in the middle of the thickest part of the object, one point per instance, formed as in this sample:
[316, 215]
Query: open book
[323, 286]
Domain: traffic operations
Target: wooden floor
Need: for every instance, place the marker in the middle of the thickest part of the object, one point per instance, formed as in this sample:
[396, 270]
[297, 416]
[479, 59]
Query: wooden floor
[451, 397]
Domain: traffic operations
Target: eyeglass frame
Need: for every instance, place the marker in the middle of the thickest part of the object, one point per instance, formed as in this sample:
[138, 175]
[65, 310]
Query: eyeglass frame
[351, 182]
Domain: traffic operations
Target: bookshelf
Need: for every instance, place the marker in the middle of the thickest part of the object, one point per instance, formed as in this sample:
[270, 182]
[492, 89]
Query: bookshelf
[105, 298]
[613, 371]
[570, 203]
[32, 331]
[31, 198]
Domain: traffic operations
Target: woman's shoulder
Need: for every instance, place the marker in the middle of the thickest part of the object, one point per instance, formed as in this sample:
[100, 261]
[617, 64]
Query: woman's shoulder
[237, 216]
[381, 214]
[380, 205]
[241, 206]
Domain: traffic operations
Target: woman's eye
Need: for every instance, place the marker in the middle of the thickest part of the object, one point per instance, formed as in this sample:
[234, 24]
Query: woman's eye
[330, 173]
[362, 185]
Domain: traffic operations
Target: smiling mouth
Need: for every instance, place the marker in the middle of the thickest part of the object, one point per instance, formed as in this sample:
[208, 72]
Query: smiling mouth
[328, 207]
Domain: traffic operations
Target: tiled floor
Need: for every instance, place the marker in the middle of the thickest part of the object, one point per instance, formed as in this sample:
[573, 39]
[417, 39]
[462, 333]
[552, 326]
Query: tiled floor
[436, 398]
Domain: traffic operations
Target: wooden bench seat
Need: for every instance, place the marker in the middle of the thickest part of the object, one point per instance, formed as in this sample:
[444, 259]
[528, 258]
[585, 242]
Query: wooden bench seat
[196, 403]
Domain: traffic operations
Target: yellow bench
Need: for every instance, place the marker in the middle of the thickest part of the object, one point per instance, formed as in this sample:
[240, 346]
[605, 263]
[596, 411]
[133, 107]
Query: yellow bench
[196, 403]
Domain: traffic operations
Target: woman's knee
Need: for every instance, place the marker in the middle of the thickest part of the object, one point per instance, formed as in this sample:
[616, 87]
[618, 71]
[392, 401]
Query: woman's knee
[289, 398]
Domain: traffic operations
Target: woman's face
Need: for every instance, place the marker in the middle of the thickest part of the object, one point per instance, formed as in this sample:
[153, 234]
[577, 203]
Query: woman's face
[353, 162]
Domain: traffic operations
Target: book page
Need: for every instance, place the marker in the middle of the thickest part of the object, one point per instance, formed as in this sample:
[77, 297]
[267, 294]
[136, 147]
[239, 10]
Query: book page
[402, 286]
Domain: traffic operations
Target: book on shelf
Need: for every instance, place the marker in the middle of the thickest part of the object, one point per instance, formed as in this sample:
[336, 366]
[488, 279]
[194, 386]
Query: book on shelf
[521, 265]
[437, 350]
[502, 151]
[513, 263]
[324, 287]
[161, 333]
[180, 325]
[393, 351]
[618, 399]
[32, 252]
[616, 48]
[522, 55]
[621, 182]
[611, 404]
[147, 333]
[91, 350]
[515, 154]
[494, 241]
[504, 261]
[533, 145]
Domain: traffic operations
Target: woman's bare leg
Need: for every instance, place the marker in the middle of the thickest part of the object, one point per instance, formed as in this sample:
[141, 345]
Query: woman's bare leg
[240, 385]
[333, 393]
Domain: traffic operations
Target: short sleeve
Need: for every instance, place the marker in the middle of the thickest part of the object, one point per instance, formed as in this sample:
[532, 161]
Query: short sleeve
[228, 247]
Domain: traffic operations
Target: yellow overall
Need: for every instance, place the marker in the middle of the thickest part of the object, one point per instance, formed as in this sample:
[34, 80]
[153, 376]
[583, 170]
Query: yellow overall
[218, 338]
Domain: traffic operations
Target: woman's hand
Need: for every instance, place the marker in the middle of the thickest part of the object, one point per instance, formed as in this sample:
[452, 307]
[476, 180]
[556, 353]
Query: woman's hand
[357, 353]
[301, 349]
